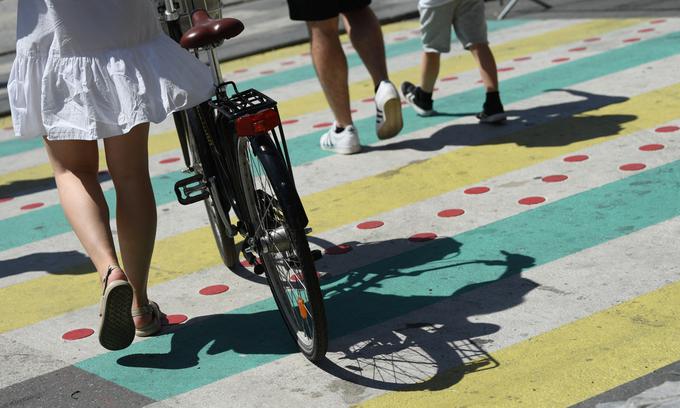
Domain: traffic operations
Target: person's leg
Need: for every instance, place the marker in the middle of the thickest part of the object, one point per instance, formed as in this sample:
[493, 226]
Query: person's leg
[331, 67]
[487, 66]
[363, 29]
[75, 165]
[128, 163]
[429, 70]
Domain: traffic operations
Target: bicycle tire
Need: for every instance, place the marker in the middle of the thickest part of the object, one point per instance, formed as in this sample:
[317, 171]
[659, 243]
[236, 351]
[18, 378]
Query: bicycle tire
[274, 205]
[201, 156]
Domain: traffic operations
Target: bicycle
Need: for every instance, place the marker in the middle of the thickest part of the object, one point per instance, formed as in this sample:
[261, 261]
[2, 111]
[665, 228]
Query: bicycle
[235, 151]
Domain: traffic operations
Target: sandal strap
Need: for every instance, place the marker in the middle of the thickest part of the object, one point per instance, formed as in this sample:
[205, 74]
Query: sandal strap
[144, 310]
[108, 273]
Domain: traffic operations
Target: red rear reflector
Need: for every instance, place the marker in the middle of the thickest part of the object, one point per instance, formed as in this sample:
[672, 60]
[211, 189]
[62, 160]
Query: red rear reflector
[257, 123]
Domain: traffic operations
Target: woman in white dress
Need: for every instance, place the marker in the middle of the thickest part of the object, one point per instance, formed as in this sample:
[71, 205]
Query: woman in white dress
[89, 70]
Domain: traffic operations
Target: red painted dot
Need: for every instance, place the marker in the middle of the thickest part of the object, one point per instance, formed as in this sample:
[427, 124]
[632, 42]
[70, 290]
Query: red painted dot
[213, 290]
[306, 54]
[558, 60]
[285, 63]
[631, 40]
[593, 39]
[32, 206]
[646, 30]
[267, 72]
[294, 278]
[367, 100]
[400, 38]
[422, 237]
[651, 147]
[531, 200]
[354, 110]
[576, 158]
[404, 103]
[449, 78]
[290, 121]
[522, 58]
[452, 212]
[338, 249]
[476, 190]
[77, 334]
[480, 82]
[247, 264]
[5, 199]
[175, 319]
[555, 178]
[506, 69]
[169, 160]
[322, 125]
[667, 129]
[370, 225]
[241, 70]
[663, 20]
[578, 49]
[632, 167]
[7, 128]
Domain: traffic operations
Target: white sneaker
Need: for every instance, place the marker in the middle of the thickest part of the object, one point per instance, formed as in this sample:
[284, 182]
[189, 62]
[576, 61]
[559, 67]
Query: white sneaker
[388, 121]
[345, 142]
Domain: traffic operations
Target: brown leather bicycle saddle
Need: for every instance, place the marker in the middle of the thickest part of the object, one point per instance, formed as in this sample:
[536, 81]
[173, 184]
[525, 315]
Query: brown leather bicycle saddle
[207, 31]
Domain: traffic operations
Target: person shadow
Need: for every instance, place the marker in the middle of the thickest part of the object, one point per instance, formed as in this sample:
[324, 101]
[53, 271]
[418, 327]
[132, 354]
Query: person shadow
[56, 263]
[426, 278]
[534, 127]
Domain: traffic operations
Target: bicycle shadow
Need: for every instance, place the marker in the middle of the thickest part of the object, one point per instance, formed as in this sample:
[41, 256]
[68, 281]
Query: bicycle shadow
[572, 128]
[358, 301]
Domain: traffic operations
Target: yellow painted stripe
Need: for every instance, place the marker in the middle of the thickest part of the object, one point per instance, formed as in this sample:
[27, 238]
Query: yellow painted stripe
[569, 364]
[462, 62]
[365, 198]
[158, 144]
[296, 50]
[5, 122]
[314, 102]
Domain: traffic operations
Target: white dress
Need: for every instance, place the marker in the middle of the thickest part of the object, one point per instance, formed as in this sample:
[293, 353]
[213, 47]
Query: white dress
[91, 69]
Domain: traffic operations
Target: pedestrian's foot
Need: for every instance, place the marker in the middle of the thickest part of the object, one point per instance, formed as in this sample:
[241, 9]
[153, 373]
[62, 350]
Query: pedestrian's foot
[116, 327]
[148, 319]
[388, 120]
[412, 94]
[492, 113]
[341, 140]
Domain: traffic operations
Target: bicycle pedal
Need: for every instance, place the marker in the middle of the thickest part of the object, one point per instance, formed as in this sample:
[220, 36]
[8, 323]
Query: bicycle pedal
[191, 190]
[308, 230]
[317, 254]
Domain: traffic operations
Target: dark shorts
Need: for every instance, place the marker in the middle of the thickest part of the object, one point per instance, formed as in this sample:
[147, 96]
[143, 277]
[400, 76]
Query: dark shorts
[316, 10]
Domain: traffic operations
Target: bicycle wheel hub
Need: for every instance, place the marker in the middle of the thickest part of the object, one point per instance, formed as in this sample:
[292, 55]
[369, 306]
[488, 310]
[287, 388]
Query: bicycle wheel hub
[276, 240]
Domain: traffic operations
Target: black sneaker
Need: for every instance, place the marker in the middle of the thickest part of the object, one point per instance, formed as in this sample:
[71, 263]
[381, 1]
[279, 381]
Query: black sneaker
[410, 91]
[492, 113]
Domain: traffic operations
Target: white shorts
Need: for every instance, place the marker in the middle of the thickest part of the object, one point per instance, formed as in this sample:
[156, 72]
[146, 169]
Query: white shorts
[466, 17]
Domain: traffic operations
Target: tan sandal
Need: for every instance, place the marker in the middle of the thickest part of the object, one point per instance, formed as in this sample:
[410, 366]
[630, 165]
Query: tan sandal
[116, 327]
[155, 325]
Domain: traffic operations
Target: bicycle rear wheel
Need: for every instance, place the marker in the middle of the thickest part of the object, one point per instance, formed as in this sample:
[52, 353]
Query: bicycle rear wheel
[281, 243]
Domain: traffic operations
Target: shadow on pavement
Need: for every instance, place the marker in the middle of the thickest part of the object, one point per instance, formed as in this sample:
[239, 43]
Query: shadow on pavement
[573, 128]
[415, 355]
[57, 263]
[26, 187]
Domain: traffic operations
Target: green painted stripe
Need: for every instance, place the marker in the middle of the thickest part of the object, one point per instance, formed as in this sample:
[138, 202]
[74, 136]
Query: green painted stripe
[46, 222]
[282, 78]
[353, 60]
[214, 347]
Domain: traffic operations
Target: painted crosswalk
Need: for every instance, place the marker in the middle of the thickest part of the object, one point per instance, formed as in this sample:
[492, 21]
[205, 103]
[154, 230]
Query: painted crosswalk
[545, 273]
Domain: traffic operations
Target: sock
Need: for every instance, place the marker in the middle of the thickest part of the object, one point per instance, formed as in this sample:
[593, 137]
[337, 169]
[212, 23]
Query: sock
[493, 102]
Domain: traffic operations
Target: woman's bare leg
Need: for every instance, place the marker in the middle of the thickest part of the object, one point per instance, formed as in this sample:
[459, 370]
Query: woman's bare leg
[75, 164]
[128, 162]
